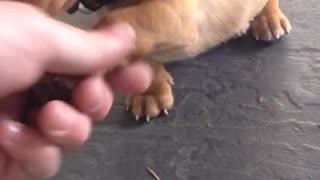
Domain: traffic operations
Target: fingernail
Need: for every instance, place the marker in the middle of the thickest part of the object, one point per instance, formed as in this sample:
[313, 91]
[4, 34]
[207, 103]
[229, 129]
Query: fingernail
[61, 126]
[124, 31]
[11, 132]
[94, 105]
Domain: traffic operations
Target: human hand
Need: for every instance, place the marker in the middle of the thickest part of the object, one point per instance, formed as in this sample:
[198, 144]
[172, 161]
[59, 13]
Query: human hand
[33, 44]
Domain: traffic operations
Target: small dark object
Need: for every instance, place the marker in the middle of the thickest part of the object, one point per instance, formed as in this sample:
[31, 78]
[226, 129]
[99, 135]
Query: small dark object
[51, 87]
[92, 5]
[153, 174]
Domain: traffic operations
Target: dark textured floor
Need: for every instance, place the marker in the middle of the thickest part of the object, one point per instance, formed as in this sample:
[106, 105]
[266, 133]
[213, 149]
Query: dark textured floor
[244, 111]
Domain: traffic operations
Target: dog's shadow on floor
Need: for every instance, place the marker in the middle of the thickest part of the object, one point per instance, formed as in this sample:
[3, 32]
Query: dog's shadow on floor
[245, 45]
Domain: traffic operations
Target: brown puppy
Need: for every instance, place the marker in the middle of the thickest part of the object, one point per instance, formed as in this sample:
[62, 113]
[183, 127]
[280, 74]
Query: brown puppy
[168, 30]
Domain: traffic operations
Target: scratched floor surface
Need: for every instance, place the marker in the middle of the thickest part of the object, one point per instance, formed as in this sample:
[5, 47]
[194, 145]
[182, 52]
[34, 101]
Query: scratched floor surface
[244, 111]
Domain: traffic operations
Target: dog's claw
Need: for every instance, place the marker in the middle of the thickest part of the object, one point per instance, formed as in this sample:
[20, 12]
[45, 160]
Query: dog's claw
[148, 119]
[165, 111]
[288, 30]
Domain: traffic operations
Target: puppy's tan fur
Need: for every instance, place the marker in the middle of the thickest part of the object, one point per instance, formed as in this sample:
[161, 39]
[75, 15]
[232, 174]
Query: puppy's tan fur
[169, 30]
[52, 7]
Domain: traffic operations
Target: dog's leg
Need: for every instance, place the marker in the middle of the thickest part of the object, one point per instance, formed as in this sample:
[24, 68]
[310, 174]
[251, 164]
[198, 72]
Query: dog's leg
[271, 23]
[156, 99]
[158, 26]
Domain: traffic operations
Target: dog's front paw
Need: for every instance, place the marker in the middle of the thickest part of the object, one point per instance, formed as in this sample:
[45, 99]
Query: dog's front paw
[270, 25]
[158, 98]
[150, 105]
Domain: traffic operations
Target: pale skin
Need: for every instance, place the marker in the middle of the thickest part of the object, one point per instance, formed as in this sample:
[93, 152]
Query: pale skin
[33, 44]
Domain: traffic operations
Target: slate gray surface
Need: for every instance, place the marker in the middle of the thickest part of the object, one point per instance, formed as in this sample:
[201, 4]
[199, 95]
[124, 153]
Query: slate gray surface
[244, 111]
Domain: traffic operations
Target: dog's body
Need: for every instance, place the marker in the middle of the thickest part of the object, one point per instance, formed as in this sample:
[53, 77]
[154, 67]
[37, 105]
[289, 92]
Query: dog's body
[169, 30]
[193, 27]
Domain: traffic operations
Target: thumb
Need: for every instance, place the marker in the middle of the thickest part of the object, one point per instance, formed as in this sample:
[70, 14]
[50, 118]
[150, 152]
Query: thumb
[76, 51]
[63, 48]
